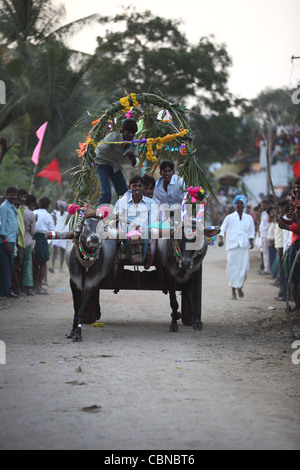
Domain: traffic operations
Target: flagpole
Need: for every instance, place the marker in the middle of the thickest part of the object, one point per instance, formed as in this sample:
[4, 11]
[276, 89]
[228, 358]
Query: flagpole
[33, 175]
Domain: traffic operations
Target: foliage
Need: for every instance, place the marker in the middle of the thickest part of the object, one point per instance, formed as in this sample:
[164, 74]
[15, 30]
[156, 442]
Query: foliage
[42, 85]
[275, 105]
[147, 53]
[154, 131]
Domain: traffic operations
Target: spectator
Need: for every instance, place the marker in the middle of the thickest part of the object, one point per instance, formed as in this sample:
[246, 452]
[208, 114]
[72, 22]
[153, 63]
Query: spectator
[238, 228]
[44, 224]
[279, 245]
[271, 242]
[9, 230]
[59, 246]
[263, 231]
[30, 228]
[20, 246]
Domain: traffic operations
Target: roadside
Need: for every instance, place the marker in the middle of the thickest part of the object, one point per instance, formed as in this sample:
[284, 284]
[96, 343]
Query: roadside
[132, 384]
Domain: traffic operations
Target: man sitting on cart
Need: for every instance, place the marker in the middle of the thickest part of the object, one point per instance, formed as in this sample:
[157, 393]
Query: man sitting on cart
[136, 213]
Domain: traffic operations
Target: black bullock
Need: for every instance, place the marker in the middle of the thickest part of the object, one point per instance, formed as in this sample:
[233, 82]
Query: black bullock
[181, 258]
[90, 259]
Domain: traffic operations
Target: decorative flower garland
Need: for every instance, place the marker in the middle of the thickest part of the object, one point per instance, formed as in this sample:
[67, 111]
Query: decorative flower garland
[82, 147]
[158, 141]
[126, 104]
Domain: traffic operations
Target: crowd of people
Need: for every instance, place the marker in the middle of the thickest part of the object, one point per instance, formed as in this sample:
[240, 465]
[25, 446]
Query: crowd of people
[285, 145]
[275, 231]
[24, 250]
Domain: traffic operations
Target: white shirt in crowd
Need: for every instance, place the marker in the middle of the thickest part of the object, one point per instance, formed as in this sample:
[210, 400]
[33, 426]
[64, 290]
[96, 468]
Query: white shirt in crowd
[44, 222]
[264, 225]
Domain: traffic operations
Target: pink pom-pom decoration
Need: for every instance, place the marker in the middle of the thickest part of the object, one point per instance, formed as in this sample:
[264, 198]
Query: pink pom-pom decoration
[72, 209]
[103, 212]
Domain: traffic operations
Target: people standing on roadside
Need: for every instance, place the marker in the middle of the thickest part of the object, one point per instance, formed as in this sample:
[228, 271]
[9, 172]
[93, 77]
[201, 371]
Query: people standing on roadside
[59, 246]
[30, 228]
[263, 231]
[44, 224]
[9, 230]
[279, 245]
[238, 228]
[20, 245]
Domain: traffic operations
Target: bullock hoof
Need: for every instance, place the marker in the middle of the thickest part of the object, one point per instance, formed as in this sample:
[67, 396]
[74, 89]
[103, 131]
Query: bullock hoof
[71, 335]
[77, 338]
[197, 326]
[176, 315]
[174, 328]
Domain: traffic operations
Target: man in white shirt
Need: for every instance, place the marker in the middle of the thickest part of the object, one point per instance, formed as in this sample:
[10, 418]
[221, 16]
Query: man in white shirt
[239, 230]
[44, 224]
[137, 212]
[263, 231]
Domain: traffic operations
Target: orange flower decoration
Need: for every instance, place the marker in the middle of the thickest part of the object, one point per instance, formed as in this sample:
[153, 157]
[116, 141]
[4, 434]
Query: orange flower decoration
[82, 149]
[95, 122]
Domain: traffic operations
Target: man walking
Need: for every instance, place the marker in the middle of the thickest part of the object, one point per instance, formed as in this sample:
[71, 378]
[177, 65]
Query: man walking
[238, 228]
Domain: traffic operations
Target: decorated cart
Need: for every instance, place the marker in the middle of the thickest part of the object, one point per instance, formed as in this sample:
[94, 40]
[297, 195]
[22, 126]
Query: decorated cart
[163, 134]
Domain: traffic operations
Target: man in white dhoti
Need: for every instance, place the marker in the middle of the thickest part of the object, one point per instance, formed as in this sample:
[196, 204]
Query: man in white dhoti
[239, 230]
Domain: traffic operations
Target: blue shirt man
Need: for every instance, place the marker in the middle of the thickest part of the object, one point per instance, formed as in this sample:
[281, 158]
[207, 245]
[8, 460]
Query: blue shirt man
[9, 230]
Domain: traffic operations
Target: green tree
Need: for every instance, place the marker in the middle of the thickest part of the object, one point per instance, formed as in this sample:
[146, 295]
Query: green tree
[147, 53]
[44, 82]
[141, 52]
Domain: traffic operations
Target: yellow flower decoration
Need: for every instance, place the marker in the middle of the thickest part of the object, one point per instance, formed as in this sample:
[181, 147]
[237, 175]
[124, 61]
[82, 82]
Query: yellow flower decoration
[126, 104]
[159, 141]
[134, 100]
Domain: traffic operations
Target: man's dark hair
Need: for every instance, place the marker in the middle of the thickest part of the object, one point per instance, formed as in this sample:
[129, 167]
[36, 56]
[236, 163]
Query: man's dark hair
[11, 189]
[148, 180]
[297, 181]
[135, 179]
[44, 202]
[166, 163]
[21, 192]
[129, 125]
[31, 199]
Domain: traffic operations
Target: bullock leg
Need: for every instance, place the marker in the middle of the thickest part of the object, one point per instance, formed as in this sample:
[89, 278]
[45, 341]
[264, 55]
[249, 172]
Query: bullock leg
[174, 306]
[197, 291]
[76, 293]
[77, 337]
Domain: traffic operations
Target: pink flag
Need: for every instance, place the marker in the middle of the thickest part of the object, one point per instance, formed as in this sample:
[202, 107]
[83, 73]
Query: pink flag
[40, 135]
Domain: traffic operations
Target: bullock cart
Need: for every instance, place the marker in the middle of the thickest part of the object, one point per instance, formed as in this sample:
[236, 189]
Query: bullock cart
[163, 133]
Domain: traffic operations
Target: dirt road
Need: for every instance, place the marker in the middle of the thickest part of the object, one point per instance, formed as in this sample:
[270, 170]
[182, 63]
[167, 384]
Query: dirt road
[131, 384]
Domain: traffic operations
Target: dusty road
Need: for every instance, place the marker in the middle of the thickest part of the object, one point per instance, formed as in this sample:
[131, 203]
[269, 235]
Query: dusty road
[132, 384]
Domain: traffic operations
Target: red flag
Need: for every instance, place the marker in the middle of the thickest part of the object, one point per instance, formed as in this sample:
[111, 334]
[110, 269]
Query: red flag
[40, 135]
[52, 172]
[296, 169]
